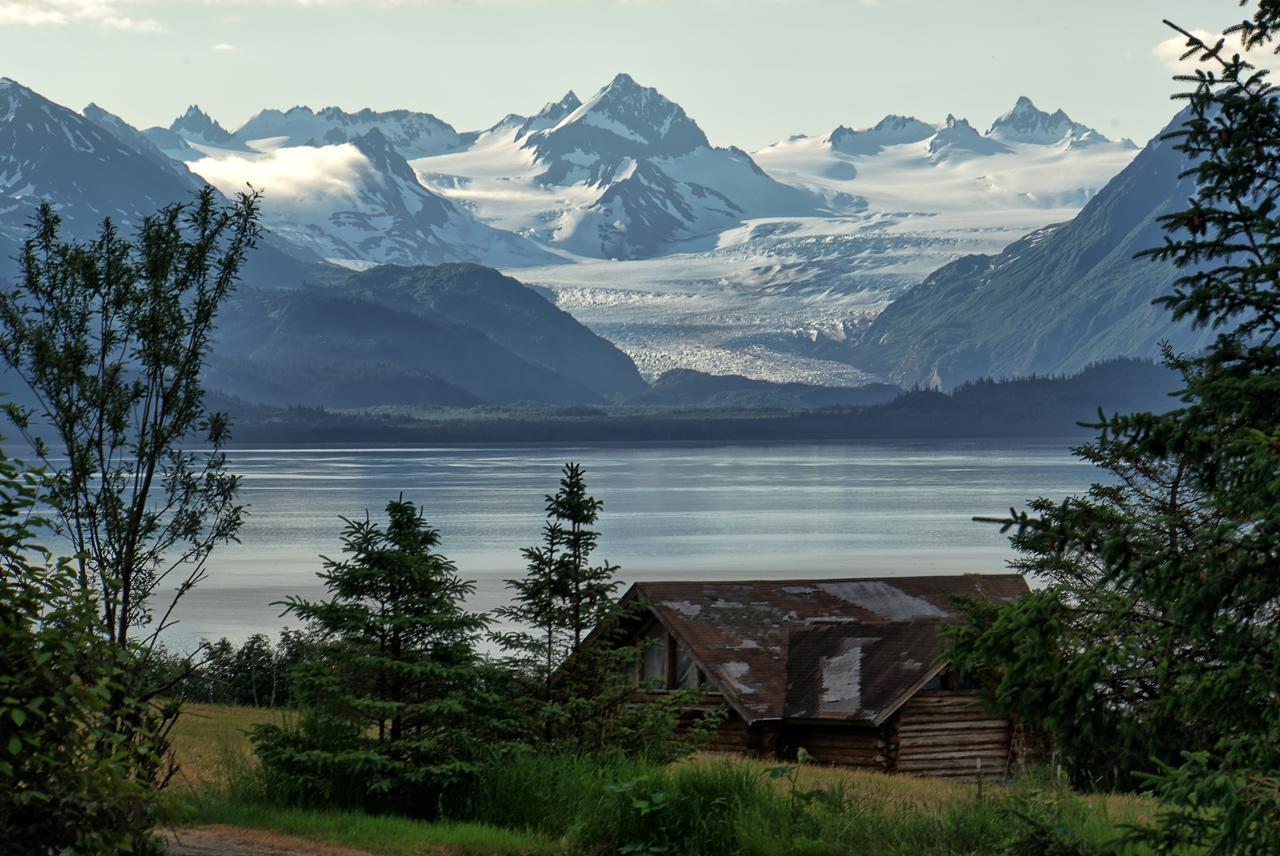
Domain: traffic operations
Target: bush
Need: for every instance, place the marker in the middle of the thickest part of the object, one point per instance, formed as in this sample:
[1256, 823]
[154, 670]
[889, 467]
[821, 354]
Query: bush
[68, 779]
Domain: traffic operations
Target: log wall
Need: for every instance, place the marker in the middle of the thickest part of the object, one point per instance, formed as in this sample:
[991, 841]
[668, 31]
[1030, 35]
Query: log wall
[733, 735]
[846, 745]
[939, 734]
[949, 735]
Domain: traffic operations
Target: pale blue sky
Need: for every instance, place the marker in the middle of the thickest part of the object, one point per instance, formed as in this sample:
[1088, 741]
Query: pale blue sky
[750, 72]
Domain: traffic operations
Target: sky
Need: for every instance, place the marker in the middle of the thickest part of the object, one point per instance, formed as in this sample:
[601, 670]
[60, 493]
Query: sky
[750, 72]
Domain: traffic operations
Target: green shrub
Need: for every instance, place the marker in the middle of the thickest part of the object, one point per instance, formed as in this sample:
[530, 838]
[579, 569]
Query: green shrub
[68, 778]
[695, 809]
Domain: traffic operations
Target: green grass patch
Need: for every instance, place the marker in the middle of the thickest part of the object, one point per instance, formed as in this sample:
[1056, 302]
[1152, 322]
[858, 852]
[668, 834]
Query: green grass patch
[392, 836]
[530, 802]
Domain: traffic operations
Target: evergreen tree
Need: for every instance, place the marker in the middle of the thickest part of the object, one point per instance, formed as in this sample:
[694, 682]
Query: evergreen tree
[1161, 623]
[588, 590]
[562, 595]
[582, 697]
[396, 704]
[537, 604]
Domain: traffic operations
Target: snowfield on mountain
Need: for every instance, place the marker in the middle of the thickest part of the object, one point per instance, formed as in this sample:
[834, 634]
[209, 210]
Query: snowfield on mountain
[684, 253]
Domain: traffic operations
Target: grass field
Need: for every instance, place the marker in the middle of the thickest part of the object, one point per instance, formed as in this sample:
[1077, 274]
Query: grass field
[907, 815]
[211, 740]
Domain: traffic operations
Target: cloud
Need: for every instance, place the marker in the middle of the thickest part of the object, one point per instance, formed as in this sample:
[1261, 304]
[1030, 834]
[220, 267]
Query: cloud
[1171, 49]
[295, 174]
[224, 47]
[107, 14]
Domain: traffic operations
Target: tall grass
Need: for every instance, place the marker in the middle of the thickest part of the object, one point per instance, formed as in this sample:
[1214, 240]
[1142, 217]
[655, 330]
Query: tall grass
[735, 808]
[529, 801]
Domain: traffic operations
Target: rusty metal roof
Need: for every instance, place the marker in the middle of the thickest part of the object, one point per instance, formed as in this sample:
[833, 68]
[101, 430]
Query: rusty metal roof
[841, 649]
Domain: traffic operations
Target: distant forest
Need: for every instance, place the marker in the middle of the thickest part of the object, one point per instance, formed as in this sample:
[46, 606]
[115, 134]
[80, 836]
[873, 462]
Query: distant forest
[1020, 407]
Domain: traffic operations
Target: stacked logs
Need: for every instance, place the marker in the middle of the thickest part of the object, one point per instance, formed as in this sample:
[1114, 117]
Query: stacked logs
[949, 735]
[849, 746]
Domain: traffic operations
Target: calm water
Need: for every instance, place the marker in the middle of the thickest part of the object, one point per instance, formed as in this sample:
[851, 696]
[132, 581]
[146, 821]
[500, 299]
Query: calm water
[670, 512]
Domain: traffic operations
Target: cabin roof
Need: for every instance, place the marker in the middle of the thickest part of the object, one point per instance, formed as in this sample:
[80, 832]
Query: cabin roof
[849, 650]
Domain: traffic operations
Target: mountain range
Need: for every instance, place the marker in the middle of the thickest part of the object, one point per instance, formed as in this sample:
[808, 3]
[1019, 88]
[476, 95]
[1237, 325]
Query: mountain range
[909, 251]
[1052, 302]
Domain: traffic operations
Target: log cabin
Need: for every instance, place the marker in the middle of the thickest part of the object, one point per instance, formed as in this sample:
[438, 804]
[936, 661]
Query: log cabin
[850, 670]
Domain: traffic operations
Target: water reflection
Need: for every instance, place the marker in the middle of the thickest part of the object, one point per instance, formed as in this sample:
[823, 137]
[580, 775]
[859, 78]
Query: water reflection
[670, 512]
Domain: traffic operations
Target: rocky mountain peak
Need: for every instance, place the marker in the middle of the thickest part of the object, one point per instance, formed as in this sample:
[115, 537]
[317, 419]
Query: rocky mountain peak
[199, 126]
[1027, 123]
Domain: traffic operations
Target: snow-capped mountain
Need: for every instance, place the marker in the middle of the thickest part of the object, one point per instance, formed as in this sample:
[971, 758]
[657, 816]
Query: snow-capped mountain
[1026, 123]
[685, 254]
[360, 203]
[625, 175]
[50, 153]
[958, 139]
[622, 123]
[96, 166]
[140, 142]
[889, 131]
[413, 135]
[1054, 302]
[550, 115]
[778, 296]
[197, 126]
[1029, 159]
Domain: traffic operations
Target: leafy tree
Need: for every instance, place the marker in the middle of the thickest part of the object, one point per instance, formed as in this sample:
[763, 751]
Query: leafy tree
[110, 337]
[1163, 609]
[66, 780]
[397, 707]
[256, 673]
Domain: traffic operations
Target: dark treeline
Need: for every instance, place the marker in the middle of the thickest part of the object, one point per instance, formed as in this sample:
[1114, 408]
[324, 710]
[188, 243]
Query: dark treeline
[1010, 408]
[257, 673]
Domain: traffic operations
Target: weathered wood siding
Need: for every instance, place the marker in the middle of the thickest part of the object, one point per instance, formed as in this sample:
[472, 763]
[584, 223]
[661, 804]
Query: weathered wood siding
[949, 735]
[846, 745]
[731, 736]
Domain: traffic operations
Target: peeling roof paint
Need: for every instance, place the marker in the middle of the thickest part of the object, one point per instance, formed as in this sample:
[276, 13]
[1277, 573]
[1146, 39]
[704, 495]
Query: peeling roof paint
[686, 608]
[842, 678]
[761, 641]
[735, 672]
[884, 599]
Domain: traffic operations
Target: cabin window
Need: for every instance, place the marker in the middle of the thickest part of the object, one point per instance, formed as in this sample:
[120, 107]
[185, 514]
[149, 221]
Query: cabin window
[653, 656]
[949, 681]
[687, 674]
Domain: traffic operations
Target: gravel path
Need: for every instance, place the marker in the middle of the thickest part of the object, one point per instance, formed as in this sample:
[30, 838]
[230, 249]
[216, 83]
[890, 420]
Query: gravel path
[235, 841]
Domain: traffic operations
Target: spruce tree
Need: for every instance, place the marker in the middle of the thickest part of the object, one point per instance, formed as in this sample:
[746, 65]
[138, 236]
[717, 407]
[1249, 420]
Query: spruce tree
[584, 698]
[588, 589]
[562, 595]
[396, 705]
[1161, 620]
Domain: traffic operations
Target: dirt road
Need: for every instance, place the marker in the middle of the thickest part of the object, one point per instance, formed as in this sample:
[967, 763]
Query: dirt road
[236, 841]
